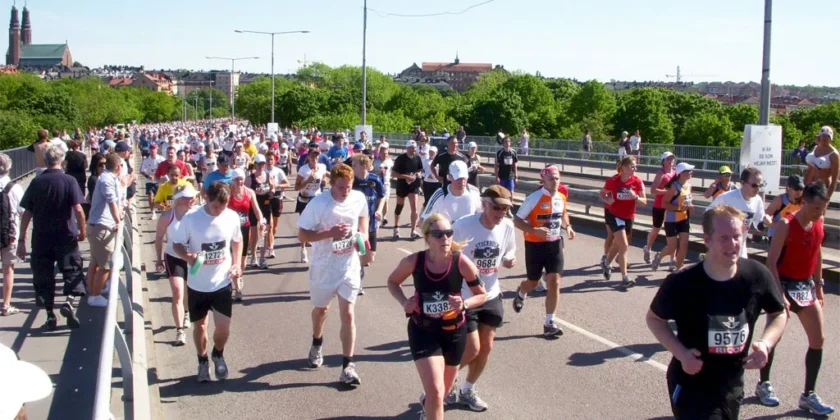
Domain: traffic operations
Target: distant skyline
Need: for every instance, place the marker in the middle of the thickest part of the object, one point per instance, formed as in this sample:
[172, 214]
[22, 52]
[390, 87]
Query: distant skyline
[598, 39]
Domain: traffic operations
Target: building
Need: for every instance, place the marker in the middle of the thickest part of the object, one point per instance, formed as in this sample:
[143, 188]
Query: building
[24, 54]
[227, 82]
[156, 81]
[457, 75]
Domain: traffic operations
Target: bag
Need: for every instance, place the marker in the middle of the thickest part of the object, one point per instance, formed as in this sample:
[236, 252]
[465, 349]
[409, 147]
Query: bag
[7, 225]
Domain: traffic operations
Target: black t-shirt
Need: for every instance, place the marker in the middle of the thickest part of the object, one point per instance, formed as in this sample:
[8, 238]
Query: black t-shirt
[405, 165]
[717, 318]
[442, 162]
[51, 197]
[506, 159]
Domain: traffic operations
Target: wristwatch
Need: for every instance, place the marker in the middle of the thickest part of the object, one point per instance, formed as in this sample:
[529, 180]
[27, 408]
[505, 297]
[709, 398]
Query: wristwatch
[465, 306]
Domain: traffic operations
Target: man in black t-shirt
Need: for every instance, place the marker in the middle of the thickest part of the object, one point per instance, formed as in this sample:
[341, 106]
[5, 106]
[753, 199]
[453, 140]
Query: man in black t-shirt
[506, 172]
[440, 165]
[715, 305]
[408, 170]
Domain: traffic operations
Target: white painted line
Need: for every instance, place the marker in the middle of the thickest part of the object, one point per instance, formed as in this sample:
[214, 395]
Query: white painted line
[614, 346]
[407, 252]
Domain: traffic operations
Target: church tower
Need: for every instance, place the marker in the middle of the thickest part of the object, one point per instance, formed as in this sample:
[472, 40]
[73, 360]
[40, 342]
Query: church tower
[13, 56]
[26, 34]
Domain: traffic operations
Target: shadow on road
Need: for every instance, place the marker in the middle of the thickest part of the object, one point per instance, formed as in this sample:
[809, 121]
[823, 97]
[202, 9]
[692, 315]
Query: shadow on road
[598, 358]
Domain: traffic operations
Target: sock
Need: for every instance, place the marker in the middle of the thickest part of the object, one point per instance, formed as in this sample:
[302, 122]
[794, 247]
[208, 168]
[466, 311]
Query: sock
[549, 319]
[203, 359]
[317, 342]
[764, 373]
[466, 387]
[522, 295]
[813, 360]
[217, 352]
[345, 361]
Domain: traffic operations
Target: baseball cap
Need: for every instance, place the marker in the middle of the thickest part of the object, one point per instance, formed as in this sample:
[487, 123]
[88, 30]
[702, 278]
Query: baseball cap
[472, 145]
[284, 146]
[314, 145]
[725, 170]
[259, 159]
[223, 159]
[665, 155]
[262, 147]
[683, 167]
[410, 143]
[827, 131]
[498, 195]
[25, 383]
[237, 173]
[187, 192]
[458, 170]
[358, 146]
[795, 182]
[432, 148]
[237, 144]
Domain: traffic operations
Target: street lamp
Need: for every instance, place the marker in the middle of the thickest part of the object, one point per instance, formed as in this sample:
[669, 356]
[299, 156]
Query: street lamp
[272, 56]
[232, 63]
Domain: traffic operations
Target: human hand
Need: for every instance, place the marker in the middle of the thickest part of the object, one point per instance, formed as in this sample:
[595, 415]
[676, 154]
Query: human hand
[541, 231]
[509, 262]
[570, 232]
[21, 250]
[159, 266]
[691, 362]
[758, 356]
[410, 305]
[456, 302]
[341, 230]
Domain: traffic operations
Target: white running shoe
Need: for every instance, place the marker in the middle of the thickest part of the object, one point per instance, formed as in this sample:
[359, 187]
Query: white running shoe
[252, 261]
[540, 286]
[180, 337]
[303, 257]
[187, 321]
[349, 376]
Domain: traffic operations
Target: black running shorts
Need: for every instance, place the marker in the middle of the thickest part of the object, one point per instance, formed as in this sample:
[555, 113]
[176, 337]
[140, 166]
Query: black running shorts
[543, 257]
[675, 228]
[299, 206]
[491, 313]
[276, 205]
[693, 401]
[200, 303]
[246, 239]
[617, 223]
[658, 217]
[175, 267]
[425, 343]
[404, 189]
[265, 206]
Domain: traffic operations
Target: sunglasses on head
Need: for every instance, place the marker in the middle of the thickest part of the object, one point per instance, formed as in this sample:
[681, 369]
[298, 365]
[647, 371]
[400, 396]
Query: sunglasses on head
[437, 233]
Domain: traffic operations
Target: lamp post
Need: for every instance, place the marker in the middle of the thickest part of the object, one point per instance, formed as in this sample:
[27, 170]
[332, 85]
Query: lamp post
[364, 65]
[764, 109]
[272, 56]
[232, 67]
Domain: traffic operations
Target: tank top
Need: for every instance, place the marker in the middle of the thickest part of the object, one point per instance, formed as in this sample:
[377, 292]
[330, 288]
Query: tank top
[241, 206]
[720, 189]
[546, 212]
[820, 162]
[171, 228]
[666, 177]
[432, 291]
[681, 200]
[787, 208]
[800, 254]
[262, 189]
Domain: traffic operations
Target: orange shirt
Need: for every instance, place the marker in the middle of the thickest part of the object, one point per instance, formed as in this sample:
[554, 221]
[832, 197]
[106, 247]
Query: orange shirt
[542, 209]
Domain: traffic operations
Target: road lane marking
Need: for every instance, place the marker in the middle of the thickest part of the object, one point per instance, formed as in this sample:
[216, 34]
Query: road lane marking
[621, 349]
[407, 252]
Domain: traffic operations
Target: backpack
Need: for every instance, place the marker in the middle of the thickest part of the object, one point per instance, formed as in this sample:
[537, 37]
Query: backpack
[7, 225]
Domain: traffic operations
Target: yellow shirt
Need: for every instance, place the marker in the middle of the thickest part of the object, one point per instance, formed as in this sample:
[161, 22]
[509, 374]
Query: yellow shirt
[251, 150]
[166, 191]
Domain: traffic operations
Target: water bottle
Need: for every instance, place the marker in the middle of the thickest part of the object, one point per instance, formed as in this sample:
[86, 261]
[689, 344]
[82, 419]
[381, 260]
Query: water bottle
[361, 243]
[199, 261]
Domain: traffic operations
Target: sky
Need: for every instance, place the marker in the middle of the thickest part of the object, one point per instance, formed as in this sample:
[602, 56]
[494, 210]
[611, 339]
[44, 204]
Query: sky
[711, 40]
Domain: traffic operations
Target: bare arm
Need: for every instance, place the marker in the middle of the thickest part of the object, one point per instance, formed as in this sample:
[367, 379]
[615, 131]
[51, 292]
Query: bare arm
[660, 329]
[642, 197]
[398, 276]
[666, 200]
[160, 232]
[470, 273]
[80, 221]
[711, 190]
[775, 252]
[255, 205]
[835, 173]
[774, 206]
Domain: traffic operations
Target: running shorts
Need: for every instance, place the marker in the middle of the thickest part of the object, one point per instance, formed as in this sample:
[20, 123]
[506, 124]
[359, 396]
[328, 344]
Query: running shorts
[424, 343]
[199, 178]
[799, 293]
[658, 217]
[299, 206]
[151, 188]
[543, 257]
[265, 206]
[246, 239]
[617, 223]
[702, 402]
[403, 190]
[675, 228]
[200, 303]
[491, 313]
[372, 240]
[175, 267]
[276, 205]
[322, 294]
[252, 216]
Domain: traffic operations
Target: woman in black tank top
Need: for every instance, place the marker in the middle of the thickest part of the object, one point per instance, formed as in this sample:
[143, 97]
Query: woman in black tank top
[436, 329]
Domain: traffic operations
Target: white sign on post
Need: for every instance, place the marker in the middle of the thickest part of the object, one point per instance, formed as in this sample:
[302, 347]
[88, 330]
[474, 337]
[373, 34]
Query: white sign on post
[272, 128]
[357, 134]
[761, 148]
[233, 128]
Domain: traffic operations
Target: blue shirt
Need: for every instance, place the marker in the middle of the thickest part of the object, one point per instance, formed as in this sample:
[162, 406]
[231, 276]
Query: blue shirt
[374, 190]
[339, 153]
[321, 159]
[107, 191]
[217, 176]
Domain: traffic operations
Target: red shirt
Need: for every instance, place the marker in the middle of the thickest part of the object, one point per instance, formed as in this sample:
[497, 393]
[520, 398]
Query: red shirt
[163, 168]
[800, 253]
[242, 207]
[624, 206]
[666, 176]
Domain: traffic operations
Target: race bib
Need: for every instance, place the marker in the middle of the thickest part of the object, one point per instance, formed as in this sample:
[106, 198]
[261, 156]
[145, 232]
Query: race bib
[262, 189]
[343, 246]
[801, 292]
[169, 202]
[486, 257]
[435, 304]
[214, 252]
[554, 230]
[240, 161]
[312, 188]
[728, 334]
[624, 194]
[508, 161]
[284, 159]
[243, 218]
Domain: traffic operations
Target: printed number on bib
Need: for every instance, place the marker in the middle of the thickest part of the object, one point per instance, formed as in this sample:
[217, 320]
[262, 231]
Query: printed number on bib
[343, 246]
[802, 292]
[243, 218]
[435, 304]
[728, 334]
[624, 194]
[214, 253]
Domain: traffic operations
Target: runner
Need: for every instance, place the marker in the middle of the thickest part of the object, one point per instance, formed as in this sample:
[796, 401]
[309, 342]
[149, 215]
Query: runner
[263, 186]
[824, 161]
[722, 184]
[542, 218]
[283, 160]
[795, 261]
[491, 243]
[211, 233]
[620, 194]
[786, 203]
[475, 164]
[175, 267]
[241, 159]
[430, 180]
[715, 305]
[223, 173]
[437, 331]
[382, 167]
[308, 184]
[505, 166]
[440, 165]
[459, 201]
[678, 207]
[657, 190]
[281, 182]
[148, 169]
[332, 222]
[747, 200]
[166, 190]
[171, 159]
[243, 202]
[408, 169]
[371, 186]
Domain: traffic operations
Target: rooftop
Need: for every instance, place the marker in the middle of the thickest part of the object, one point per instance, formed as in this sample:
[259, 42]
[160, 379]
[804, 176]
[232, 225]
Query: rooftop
[33, 51]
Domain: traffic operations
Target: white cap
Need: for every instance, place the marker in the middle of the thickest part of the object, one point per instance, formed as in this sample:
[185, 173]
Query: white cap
[410, 143]
[24, 383]
[665, 155]
[458, 170]
[682, 167]
[237, 173]
[432, 148]
[187, 192]
[262, 147]
[827, 131]
[284, 145]
[259, 159]
[472, 145]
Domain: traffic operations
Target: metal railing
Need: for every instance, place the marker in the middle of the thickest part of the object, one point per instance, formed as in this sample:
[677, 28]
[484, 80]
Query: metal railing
[23, 162]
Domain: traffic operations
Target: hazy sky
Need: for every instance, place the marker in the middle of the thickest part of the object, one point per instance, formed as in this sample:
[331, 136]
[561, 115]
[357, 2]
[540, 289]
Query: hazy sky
[601, 39]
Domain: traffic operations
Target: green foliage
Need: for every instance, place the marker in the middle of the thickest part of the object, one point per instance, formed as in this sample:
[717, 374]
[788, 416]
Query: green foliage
[791, 135]
[644, 110]
[740, 115]
[17, 129]
[709, 128]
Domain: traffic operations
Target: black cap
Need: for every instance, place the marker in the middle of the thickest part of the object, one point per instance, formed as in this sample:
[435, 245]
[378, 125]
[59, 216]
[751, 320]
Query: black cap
[122, 147]
[313, 144]
[795, 182]
[223, 159]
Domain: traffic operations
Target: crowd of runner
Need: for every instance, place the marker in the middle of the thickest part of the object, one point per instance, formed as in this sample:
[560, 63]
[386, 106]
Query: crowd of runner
[217, 193]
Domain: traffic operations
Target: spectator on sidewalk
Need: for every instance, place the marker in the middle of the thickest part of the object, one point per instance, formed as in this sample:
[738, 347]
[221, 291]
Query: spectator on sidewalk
[800, 153]
[106, 210]
[586, 144]
[9, 230]
[636, 144]
[51, 202]
[461, 134]
[623, 145]
[39, 147]
[57, 141]
[524, 138]
[76, 164]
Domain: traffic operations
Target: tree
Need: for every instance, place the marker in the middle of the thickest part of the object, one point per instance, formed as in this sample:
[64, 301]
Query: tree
[740, 115]
[593, 101]
[562, 89]
[500, 111]
[537, 102]
[710, 129]
[791, 136]
[644, 110]
[684, 106]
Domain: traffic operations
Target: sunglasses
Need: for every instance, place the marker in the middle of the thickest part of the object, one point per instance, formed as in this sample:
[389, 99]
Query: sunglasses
[437, 234]
[756, 185]
[496, 207]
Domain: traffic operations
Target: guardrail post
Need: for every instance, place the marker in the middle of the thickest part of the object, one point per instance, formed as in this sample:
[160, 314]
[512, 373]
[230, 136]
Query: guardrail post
[125, 300]
[125, 364]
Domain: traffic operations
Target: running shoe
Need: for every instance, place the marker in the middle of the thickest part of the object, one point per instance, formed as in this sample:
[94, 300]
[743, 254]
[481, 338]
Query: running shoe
[471, 400]
[51, 324]
[607, 272]
[67, 311]
[180, 337]
[237, 295]
[204, 371]
[303, 257]
[646, 250]
[349, 376]
[271, 254]
[186, 320]
[414, 234]
[766, 395]
[252, 261]
[263, 264]
[452, 397]
[361, 291]
[626, 282]
[540, 286]
[154, 215]
[813, 404]
[396, 233]
[603, 261]
[423, 406]
[316, 357]
[657, 259]
[384, 222]
[221, 367]
[552, 330]
[672, 266]
[518, 302]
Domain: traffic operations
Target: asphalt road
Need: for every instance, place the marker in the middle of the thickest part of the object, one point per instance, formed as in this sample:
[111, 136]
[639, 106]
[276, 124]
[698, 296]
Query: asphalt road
[606, 366]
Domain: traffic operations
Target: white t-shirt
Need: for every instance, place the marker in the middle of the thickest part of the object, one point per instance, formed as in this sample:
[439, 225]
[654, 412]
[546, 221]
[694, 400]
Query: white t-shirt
[485, 248]
[200, 231]
[172, 229]
[383, 169]
[278, 175]
[334, 261]
[634, 143]
[754, 209]
[451, 206]
[15, 195]
[60, 143]
[149, 166]
[427, 170]
[313, 188]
